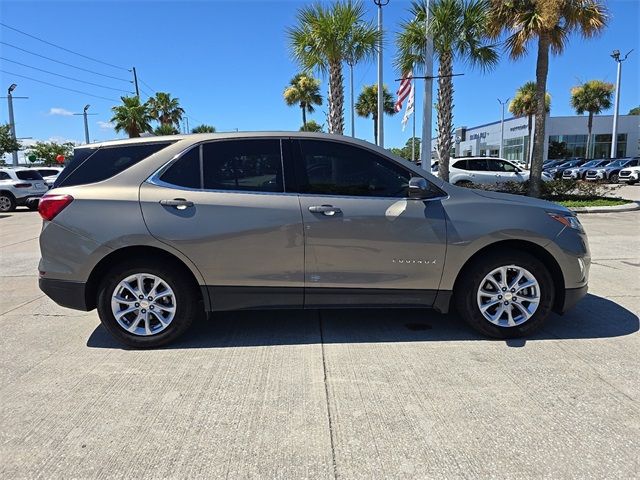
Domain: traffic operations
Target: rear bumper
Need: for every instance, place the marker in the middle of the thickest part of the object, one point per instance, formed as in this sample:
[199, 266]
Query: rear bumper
[25, 201]
[65, 293]
[571, 297]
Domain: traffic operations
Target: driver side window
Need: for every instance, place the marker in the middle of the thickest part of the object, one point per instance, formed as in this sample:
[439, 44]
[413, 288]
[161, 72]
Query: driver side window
[333, 168]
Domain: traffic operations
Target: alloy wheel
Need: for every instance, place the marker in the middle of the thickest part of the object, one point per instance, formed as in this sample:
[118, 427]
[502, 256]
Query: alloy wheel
[508, 296]
[5, 204]
[143, 304]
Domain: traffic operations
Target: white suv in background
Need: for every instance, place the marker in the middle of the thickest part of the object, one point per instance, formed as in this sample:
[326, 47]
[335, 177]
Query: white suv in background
[20, 187]
[630, 175]
[486, 170]
[49, 174]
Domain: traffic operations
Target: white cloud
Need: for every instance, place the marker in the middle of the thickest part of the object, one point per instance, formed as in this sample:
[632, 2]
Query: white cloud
[105, 125]
[60, 111]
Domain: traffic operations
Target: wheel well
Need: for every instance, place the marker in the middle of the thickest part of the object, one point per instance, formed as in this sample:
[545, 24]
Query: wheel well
[8, 193]
[124, 254]
[537, 251]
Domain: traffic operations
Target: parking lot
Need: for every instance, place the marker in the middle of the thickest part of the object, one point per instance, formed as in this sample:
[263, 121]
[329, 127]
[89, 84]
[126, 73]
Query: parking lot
[332, 394]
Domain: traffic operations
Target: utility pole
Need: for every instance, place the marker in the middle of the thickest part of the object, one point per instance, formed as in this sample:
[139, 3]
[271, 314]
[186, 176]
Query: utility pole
[86, 122]
[351, 107]
[502, 125]
[12, 121]
[614, 135]
[380, 4]
[427, 105]
[135, 81]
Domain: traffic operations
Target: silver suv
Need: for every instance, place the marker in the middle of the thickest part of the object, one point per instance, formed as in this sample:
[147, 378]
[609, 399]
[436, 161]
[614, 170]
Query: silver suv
[155, 232]
[20, 187]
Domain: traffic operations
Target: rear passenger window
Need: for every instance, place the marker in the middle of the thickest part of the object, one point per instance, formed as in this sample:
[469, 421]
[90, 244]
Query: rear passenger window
[478, 165]
[185, 172]
[247, 165]
[94, 165]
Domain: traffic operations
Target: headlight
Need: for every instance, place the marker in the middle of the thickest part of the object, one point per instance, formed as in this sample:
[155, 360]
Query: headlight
[570, 221]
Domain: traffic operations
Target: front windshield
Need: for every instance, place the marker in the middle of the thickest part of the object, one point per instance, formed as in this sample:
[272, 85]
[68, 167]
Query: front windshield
[618, 163]
[593, 163]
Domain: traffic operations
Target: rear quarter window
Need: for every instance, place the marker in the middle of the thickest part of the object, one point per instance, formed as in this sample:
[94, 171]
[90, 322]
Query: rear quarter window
[90, 165]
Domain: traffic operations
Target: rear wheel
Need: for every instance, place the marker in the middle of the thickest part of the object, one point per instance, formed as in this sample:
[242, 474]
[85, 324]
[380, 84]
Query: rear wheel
[614, 178]
[144, 305]
[7, 202]
[505, 294]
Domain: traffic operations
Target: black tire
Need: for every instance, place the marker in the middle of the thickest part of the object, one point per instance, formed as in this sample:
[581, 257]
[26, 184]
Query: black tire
[33, 206]
[631, 182]
[614, 178]
[7, 202]
[467, 288]
[188, 303]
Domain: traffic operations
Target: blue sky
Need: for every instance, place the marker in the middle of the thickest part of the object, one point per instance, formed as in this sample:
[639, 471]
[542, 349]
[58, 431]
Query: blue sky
[228, 63]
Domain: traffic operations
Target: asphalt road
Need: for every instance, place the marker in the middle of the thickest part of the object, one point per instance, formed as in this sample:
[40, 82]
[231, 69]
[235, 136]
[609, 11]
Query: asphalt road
[333, 394]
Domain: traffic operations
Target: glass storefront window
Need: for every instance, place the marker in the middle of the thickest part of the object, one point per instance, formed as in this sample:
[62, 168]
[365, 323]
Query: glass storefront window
[563, 146]
[514, 148]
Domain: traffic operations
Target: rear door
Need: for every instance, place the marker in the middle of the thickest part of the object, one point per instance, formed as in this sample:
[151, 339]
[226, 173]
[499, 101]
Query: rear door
[33, 179]
[223, 205]
[366, 243]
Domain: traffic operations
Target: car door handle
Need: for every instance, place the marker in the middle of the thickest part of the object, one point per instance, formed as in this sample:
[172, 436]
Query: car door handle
[179, 203]
[328, 210]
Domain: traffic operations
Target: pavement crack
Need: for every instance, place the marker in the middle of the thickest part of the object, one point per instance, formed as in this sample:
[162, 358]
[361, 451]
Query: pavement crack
[326, 394]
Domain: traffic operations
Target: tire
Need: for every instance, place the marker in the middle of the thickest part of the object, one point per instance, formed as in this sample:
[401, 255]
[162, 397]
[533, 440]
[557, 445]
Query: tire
[468, 297]
[33, 206]
[631, 182]
[614, 178]
[7, 202]
[182, 295]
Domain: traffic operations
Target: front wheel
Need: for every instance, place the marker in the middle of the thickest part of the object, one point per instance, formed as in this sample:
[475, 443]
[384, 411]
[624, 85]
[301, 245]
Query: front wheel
[614, 178]
[505, 294]
[144, 305]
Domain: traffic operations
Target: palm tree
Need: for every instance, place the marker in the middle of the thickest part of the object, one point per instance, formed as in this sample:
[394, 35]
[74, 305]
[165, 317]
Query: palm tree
[367, 104]
[165, 109]
[524, 104]
[458, 31]
[204, 129]
[165, 130]
[593, 97]
[322, 40]
[311, 126]
[131, 117]
[304, 91]
[550, 24]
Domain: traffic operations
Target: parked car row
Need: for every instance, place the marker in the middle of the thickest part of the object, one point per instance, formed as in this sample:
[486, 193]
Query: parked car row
[608, 170]
[22, 186]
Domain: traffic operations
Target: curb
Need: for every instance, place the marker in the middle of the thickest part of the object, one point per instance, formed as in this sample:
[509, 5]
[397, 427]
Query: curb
[627, 207]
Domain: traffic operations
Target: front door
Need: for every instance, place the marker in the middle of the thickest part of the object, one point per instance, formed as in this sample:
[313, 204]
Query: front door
[222, 204]
[366, 243]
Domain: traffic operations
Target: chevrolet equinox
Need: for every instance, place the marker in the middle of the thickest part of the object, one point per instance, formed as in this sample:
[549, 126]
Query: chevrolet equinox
[154, 232]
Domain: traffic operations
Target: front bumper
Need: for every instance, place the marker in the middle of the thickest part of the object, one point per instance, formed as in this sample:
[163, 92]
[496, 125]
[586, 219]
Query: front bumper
[571, 297]
[65, 293]
[628, 179]
[597, 176]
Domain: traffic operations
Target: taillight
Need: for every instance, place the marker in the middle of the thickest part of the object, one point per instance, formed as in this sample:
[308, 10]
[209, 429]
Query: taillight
[22, 185]
[52, 205]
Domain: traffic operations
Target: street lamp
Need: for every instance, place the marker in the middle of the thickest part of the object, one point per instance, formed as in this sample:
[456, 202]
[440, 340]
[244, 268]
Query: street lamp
[502, 125]
[614, 135]
[12, 122]
[380, 4]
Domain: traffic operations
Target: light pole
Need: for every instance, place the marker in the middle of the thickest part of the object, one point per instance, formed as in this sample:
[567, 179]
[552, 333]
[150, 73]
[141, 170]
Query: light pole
[350, 62]
[614, 135]
[380, 4]
[502, 125]
[12, 122]
[427, 103]
[86, 122]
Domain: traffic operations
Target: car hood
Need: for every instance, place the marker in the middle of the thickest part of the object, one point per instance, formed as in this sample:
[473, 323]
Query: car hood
[523, 200]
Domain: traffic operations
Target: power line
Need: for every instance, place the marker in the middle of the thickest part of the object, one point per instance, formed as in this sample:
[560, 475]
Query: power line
[63, 63]
[63, 48]
[146, 92]
[58, 86]
[64, 76]
[147, 85]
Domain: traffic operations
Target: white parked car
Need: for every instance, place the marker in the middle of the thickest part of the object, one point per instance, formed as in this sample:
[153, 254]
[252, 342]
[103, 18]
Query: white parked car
[20, 187]
[630, 175]
[49, 174]
[486, 171]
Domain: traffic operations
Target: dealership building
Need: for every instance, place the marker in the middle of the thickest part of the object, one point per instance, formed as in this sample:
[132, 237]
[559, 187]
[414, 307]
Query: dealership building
[564, 137]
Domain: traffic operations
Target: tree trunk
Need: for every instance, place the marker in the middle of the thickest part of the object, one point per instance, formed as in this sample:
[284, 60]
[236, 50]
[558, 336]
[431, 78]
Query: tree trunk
[589, 127]
[527, 154]
[304, 114]
[542, 69]
[336, 98]
[445, 114]
[375, 128]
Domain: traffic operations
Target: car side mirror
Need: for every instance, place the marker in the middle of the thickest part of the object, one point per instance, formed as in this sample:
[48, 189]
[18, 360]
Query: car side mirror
[418, 188]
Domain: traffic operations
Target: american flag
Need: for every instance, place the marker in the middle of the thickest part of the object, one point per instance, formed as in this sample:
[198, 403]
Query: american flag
[406, 88]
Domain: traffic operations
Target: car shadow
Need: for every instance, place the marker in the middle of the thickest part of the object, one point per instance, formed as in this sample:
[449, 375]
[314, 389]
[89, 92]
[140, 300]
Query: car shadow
[593, 317]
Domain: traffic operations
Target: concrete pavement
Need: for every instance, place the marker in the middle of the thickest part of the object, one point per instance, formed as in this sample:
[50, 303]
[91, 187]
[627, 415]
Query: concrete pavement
[331, 394]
